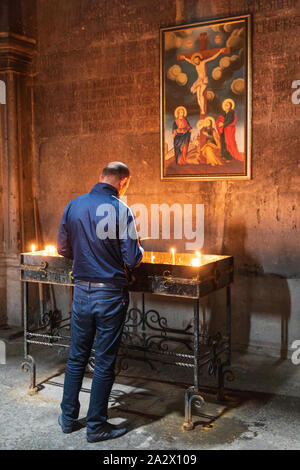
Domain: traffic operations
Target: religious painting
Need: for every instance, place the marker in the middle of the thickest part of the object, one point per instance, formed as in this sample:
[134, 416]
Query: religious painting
[206, 100]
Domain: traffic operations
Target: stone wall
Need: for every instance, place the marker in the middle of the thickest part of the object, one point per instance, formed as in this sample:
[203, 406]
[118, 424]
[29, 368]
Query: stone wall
[96, 99]
[17, 46]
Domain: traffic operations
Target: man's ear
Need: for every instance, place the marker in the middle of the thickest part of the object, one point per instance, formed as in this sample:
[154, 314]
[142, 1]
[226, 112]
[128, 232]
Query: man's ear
[123, 181]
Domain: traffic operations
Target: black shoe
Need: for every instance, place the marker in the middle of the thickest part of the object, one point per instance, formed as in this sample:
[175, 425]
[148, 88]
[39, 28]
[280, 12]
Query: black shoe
[108, 431]
[71, 428]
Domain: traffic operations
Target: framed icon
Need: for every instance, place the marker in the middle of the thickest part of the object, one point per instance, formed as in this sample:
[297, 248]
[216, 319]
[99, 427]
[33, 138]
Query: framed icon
[206, 100]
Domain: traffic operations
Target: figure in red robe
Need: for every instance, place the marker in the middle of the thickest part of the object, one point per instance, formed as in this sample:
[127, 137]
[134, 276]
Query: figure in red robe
[226, 129]
[181, 135]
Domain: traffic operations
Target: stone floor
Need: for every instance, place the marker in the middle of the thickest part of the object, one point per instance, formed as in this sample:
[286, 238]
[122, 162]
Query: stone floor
[262, 411]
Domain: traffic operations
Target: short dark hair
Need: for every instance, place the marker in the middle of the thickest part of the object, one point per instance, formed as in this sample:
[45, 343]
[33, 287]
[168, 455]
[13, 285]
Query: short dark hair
[117, 170]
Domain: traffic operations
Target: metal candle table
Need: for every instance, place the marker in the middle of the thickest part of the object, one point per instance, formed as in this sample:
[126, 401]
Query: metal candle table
[146, 334]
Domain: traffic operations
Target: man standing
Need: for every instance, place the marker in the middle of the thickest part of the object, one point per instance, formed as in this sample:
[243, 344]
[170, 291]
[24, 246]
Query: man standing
[97, 231]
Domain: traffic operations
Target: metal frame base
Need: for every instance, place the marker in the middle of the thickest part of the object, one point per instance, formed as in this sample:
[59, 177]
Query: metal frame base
[147, 334]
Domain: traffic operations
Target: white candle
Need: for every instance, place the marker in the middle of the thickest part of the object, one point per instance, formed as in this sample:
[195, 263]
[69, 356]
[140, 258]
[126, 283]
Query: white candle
[173, 255]
[50, 250]
[197, 261]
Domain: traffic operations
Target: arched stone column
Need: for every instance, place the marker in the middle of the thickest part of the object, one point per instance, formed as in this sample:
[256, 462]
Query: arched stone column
[16, 53]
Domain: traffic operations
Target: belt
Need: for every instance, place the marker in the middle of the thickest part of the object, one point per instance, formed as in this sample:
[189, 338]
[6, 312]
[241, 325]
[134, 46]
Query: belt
[98, 284]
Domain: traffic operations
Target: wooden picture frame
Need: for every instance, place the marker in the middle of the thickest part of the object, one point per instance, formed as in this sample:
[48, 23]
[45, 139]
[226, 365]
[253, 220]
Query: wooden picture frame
[205, 78]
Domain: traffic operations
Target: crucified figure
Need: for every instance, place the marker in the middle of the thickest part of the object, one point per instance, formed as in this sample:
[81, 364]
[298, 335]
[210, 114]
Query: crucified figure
[200, 85]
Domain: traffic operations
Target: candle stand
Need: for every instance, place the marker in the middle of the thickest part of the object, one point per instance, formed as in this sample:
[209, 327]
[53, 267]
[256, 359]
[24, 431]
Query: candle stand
[147, 335]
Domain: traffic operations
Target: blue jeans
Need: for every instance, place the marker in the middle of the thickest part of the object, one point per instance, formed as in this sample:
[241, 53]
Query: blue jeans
[99, 311]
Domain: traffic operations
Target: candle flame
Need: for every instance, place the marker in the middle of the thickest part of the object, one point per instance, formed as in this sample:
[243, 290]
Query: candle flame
[50, 250]
[173, 255]
[33, 248]
[196, 262]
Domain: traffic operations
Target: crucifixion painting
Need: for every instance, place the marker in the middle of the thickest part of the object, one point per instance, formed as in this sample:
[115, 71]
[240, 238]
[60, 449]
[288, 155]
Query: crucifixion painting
[199, 60]
[205, 100]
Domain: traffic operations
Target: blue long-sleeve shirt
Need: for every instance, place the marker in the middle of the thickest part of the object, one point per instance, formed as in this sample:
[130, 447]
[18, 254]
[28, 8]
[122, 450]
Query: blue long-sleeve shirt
[98, 232]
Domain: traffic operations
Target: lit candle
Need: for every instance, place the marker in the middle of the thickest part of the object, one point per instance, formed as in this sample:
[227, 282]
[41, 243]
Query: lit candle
[32, 247]
[50, 250]
[173, 255]
[197, 261]
[152, 257]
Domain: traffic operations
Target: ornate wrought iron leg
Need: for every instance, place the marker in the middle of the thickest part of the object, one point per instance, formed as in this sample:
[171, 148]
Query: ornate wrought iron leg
[41, 300]
[226, 374]
[143, 320]
[220, 394]
[28, 365]
[228, 323]
[222, 376]
[192, 393]
[196, 344]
